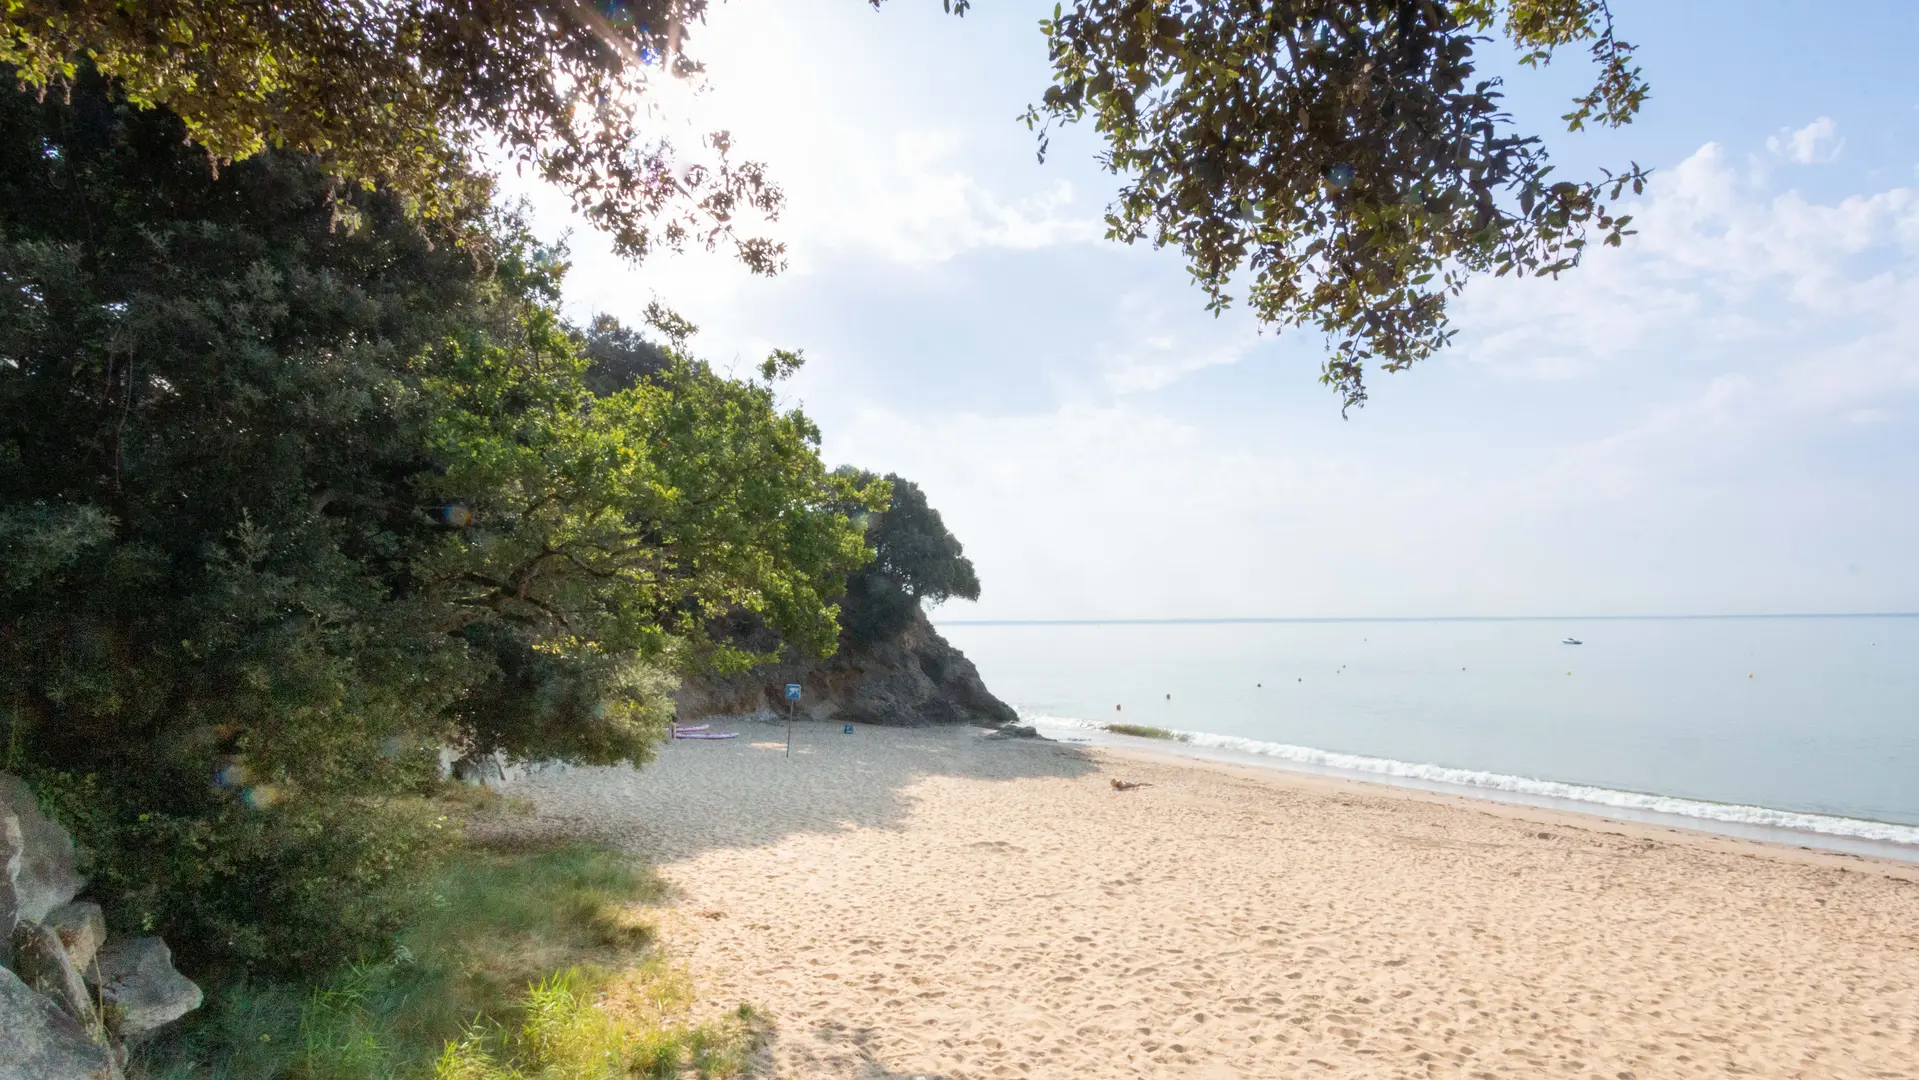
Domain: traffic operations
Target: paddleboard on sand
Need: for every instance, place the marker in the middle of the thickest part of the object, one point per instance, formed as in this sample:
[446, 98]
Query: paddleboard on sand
[708, 735]
[681, 728]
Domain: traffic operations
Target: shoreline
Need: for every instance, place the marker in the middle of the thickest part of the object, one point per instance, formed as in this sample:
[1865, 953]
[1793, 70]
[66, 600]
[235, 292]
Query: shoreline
[942, 903]
[1185, 749]
[1676, 834]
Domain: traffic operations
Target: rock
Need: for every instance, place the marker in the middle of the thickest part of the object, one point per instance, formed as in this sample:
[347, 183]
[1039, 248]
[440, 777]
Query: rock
[10, 843]
[81, 927]
[137, 981]
[911, 680]
[38, 1041]
[48, 875]
[41, 962]
[1017, 731]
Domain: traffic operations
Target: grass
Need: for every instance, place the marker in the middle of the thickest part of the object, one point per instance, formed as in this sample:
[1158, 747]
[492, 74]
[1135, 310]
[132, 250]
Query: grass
[524, 965]
[1142, 731]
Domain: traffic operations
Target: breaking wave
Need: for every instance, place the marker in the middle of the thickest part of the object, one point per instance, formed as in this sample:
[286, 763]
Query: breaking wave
[1731, 813]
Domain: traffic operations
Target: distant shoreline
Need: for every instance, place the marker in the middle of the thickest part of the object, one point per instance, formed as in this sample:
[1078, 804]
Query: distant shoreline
[1224, 620]
[936, 902]
[1641, 808]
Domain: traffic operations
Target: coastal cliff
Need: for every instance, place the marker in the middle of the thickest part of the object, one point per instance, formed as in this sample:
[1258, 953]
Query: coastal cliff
[909, 678]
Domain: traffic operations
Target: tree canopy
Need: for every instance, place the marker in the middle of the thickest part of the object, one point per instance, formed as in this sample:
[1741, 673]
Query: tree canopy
[1348, 154]
[404, 93]
[295, 491]
[916, 560]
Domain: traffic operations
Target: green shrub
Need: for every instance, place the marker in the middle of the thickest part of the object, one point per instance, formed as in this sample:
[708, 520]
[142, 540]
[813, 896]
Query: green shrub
[504, 968]
[563, 1033]
[297, 487]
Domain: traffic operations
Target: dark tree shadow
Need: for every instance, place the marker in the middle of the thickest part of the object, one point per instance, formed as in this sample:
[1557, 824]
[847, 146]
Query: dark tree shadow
[747, 792]
[835, 1048]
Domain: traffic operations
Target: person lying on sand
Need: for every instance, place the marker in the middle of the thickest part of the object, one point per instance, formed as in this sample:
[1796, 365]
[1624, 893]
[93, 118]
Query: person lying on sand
[1128, 785]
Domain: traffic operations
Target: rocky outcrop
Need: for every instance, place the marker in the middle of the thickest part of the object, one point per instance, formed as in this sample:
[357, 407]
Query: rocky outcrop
[10, 844]
[136, 979]
[41, 963]
[82, 930]
[39, 1041]
[913, 679]
[47, 875]
[71, 995]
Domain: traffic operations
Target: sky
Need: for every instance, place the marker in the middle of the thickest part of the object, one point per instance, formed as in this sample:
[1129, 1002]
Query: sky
[1720, 417]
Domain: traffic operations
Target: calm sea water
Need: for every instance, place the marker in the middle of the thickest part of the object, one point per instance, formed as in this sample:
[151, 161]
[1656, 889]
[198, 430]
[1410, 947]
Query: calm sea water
[1717, 717]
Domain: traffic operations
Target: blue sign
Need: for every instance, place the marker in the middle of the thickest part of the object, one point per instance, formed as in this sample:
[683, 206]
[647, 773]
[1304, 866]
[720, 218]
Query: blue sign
[792, 691]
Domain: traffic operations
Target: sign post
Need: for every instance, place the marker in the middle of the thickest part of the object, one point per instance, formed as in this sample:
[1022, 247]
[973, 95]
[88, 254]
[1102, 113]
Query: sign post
[792, 699]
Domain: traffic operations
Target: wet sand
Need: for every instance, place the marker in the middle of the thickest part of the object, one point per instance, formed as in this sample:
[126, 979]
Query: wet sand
[934, 903]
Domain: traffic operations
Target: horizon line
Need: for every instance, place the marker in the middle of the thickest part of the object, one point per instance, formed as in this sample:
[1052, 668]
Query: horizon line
[1222, 620]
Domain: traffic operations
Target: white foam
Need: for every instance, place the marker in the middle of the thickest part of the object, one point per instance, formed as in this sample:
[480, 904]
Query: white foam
[1731, 813]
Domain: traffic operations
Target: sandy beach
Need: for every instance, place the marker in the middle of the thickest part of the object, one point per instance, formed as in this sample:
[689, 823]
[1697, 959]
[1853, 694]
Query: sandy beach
[935, 903]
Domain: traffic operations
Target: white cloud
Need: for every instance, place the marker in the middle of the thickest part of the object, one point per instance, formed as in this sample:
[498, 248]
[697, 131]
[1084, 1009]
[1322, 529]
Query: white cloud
[1643, 434]
[1822, 297]
[1743, 322]
[1145, 354]
[1817, 142]
[917, 205]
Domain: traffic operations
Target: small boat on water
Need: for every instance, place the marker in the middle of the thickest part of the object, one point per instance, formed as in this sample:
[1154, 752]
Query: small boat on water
[1572, 641]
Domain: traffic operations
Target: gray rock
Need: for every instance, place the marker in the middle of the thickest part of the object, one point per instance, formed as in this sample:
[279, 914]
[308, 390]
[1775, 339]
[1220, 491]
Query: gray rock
[82, 928]
[41, 962]
[138, 983]
[40, 1042]
[912, 680]
[48, 876]
[1017, 731]
[10, 844]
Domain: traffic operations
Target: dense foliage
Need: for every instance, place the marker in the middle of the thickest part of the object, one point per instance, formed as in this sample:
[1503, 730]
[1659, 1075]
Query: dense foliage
[296, 490]
[1349, 153]
[403, 93]
[916, 560]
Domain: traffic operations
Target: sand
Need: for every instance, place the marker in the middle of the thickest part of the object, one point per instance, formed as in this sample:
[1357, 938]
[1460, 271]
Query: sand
[933, 903]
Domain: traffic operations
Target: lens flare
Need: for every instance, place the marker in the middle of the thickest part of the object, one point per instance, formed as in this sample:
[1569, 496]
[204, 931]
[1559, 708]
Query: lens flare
[1339, 176]
[261, 796]
[458, 515]
[617, 13]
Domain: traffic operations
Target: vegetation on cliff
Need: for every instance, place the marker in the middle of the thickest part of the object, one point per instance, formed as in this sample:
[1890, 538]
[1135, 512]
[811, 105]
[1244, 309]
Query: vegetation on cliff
[298, 488]
[917, 561]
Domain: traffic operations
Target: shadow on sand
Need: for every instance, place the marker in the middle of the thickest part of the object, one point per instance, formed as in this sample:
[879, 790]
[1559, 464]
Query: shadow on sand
[747, 792]
[835, 1050]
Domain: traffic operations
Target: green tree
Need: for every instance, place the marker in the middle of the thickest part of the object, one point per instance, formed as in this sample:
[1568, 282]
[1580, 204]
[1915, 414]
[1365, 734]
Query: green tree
[619, 356]
[1347, 153]
[917, 560]
[602, 534]
[296, 490]
[402, 94]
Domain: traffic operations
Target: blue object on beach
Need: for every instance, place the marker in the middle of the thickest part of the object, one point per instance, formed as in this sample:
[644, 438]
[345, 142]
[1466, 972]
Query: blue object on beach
[792, 691]
[848, 729]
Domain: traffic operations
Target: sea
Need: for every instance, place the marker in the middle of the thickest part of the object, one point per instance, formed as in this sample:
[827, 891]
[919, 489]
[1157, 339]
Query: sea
[1798, 729]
